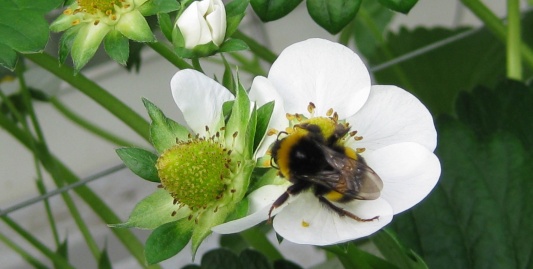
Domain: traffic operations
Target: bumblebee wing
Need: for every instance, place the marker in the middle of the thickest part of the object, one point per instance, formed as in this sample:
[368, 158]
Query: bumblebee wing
[354, 178]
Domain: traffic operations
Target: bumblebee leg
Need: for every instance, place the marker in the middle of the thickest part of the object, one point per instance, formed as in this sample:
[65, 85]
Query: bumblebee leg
[293, 189]
[343, 212]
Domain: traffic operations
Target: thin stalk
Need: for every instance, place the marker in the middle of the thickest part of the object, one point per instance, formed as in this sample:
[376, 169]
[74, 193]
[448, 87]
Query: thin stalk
[128, 239]
[196, 64]
[25, 255]
[57, 259]
[85, 124]
[495, 25]
[258, 49]
[514, 62]
[42, 190]
[258, 240]
[123, 112]
[168, 54]
[42, 152]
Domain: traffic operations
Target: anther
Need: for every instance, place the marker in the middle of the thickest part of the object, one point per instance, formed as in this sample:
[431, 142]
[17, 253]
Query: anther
[360, 150]
[233, 190]
[272, 132]
[96, 22]
[175, 201]
[311, 108]
[67, 11]
[173, 213]
[190, 217]
[160, 186]
[358, 138]
[216, 209]
[75, 22]
[353, 133]
[329, 112]
[335, 117]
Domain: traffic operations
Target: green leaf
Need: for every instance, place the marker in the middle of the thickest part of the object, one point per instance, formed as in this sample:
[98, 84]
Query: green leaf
[141, 162]
[235, 11]
[396, 253]
[167, 240]
[228, 81]
[233, 242]
[221, 258]
[251, 259]
[62, 250]
[154, 7]
[232, 45]
[238, 122]
[154, 211]
[263, 118]
[285, 264]
[166, 25]
[117, 47]
[353, 257]
[402, 6]
[104, 262]
[480, 213]
[23, 28]
[163, 131]
[191, 266]
[271, 10]
[65, 43]
[333, 15]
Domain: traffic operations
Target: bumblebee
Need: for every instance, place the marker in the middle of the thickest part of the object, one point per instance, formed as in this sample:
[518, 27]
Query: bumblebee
[313, 157]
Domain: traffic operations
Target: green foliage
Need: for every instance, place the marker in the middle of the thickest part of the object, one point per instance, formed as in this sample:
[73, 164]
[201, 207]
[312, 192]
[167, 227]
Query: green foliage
[394, 252]
[263, 118]
[167, 240]
[141, 162]
[479, 215]
[23, 28]
[235, 11]
[232, 45]
[117, 47]
[271, 10]
[104, 262]
[247, 259]
[333, 15]
[403, 6]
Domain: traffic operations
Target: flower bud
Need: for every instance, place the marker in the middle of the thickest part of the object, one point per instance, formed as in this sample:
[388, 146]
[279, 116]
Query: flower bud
[202, 22]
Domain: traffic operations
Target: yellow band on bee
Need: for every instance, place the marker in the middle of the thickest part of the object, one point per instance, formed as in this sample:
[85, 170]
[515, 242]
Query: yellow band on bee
[333, 196]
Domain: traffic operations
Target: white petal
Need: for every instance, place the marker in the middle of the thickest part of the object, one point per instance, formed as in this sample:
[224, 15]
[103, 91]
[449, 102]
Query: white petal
[217, 22]
[193, 26]
[325, 227]
[262, 92]
[392, 115]
[260, 202]
[409, 172]
[323, 72]
[200, 98]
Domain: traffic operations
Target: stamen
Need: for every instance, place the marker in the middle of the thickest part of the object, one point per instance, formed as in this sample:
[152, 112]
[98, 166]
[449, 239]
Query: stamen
[360, 150]
[329, 112]
[272, 132]
[358, 138]
[311, 108]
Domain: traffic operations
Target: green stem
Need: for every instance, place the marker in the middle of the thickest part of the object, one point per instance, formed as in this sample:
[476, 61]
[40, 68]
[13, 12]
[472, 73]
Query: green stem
[36, 243]
[128, 239]
[42, 152]
[42, 190]
[93, 91]
[514, 63]
[170, 55]
[495, 25]
[258, 240]
[88, 125]
[258, 49]
[196, 64]
[25, 255]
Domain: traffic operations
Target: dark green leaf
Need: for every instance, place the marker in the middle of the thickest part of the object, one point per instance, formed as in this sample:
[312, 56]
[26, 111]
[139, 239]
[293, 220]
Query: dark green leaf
[232, 45]
[23, 28]
[104, 262]
[480, 214]
[285, 264]
[166, 25]
[233, 242]
[399, 5]
[65, 43]
[353, 257]
[117, 47]
[163, 131]
[394, 252]
[134, 58]
[221, 258]
[251, 259]
[154, 7]
[167, 240]
[263, 118]
[235, 11]
[228, 81]
[62, 250]
[271, 10]
[141, 162]
[333, 15]
[191, 266]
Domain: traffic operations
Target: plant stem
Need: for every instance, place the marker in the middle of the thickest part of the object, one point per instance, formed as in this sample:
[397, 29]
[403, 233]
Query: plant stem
[93, 91]
[42, 190]
[169, 55]
[495, 25]
[258, 240]
[25, 255]
[258, 49]
[514, 63]
[88, 125]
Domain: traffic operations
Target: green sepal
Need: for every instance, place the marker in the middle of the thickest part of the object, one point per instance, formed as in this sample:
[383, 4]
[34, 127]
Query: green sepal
[87, 42]
[250, 131]
[199, 51]
[235, 11]
[228, 81]
[141, 162]
[403, 6]
[165, 24]
[271, 10]
[226, 109]
[153, 211]
[264, 113]
[8, 57]
[241, 209]
[65, 43]
[333, 15]
[153, 7]
[167, 240]
[135, 27]
[232, 45]
[163, 131]
[117, 47]
[238, 122]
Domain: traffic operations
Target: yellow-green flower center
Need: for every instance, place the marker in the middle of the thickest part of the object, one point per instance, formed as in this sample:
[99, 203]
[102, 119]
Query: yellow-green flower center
[196, 172]
[93, 6]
